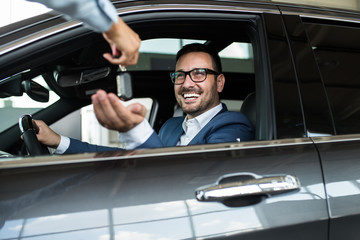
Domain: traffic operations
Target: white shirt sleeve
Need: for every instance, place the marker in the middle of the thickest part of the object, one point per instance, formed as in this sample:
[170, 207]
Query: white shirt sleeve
[97, 15]
[136, 136]
[63, 146]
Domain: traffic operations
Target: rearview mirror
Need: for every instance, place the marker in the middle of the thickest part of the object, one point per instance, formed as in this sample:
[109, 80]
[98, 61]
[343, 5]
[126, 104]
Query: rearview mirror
[87, 80]
[35, 91]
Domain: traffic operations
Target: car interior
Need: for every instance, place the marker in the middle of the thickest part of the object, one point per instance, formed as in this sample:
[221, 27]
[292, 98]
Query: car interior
[73, 68]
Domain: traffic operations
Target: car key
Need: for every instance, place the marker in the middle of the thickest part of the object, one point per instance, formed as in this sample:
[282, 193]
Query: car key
[123, 79]
[124, 84]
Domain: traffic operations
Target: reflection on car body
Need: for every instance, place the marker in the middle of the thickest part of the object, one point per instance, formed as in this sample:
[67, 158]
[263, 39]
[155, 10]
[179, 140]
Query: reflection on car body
[300, 71]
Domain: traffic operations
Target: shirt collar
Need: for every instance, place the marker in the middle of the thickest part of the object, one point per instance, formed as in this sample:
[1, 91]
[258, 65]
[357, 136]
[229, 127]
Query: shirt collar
[204, 118]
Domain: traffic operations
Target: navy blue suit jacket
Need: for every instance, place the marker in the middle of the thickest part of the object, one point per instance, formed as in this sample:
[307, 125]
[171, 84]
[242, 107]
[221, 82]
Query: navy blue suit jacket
[225, 126]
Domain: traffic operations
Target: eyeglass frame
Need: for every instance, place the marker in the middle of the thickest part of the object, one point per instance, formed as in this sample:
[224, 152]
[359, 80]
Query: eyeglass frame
[207, 71]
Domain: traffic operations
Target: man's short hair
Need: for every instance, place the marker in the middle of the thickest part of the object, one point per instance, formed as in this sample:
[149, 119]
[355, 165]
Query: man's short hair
[198, 47]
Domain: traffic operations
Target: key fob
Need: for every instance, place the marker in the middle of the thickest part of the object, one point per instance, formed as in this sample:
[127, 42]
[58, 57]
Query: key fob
[124, 86]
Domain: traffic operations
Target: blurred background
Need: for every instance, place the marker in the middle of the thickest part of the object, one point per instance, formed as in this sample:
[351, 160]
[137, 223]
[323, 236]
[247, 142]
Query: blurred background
[16, 10]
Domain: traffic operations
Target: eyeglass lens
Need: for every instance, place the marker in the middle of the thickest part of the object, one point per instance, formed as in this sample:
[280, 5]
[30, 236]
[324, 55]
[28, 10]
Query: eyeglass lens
[196, 75]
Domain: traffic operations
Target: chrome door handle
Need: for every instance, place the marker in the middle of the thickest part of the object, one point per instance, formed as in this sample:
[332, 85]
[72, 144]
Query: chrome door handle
[245, 185]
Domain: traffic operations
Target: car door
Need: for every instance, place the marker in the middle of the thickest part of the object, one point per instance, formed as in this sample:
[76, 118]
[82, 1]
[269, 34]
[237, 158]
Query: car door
[270, 188]
[335, 45]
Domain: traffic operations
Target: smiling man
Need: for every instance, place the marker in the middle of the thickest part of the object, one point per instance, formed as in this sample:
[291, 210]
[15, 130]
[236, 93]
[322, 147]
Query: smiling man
[197, 83]
[195, 95]
[198, 80]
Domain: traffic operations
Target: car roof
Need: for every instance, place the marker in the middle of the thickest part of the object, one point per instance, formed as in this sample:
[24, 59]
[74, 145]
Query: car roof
[53, 22]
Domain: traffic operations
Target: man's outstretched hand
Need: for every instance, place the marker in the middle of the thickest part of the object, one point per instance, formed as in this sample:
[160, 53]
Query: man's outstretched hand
[112, 114]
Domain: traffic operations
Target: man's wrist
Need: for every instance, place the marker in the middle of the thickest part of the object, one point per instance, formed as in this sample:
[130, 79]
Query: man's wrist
[114, 29]
[63, 145]
[136, 136]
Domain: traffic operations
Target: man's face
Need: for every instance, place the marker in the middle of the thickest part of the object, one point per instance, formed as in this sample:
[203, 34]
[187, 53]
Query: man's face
[197, 98]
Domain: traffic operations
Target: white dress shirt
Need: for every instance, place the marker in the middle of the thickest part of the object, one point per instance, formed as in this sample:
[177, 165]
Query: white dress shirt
[97, 15]
[193, 126]
[139, 134]
[63, 146]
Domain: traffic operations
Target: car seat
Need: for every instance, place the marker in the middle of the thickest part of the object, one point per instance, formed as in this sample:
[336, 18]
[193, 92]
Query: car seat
[248, 108]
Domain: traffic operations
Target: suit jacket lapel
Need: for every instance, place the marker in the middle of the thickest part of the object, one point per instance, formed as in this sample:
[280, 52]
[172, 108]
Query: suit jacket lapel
[171, 131]
[175, 136]
[200, 137]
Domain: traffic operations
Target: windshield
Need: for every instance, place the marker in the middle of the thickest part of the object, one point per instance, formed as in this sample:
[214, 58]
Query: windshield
[12, 108]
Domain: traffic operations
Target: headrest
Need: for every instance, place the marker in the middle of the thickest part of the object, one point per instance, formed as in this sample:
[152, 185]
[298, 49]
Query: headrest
[249, 108]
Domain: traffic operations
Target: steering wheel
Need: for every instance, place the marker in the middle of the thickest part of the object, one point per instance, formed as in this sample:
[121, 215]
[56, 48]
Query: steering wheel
[29, 129]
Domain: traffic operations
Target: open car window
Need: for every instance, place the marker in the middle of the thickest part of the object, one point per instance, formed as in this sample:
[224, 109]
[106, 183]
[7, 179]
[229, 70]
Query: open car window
[65, 66]
[156, 55]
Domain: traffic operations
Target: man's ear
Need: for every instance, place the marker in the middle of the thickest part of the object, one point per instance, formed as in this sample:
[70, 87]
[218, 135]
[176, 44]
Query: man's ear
[220, 81]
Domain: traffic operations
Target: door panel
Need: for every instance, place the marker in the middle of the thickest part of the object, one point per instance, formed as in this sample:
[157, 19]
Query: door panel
[151, 195]
[336, 48]
[340, 156]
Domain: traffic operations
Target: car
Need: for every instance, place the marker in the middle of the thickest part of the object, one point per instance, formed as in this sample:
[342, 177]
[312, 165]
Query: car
[291, 68]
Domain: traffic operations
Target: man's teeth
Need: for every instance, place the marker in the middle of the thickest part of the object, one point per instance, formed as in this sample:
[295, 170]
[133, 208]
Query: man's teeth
[191, 95]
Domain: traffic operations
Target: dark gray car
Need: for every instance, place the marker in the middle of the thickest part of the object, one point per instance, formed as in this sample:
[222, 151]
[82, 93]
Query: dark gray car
[298, 83]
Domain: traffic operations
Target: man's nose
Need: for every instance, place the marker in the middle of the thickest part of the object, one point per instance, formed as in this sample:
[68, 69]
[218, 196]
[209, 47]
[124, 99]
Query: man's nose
[188, 81]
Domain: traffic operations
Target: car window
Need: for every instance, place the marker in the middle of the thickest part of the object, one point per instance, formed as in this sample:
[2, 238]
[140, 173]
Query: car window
[159, 54]
[155, 54]
[237, 57]
[337, 51]
[13, 107]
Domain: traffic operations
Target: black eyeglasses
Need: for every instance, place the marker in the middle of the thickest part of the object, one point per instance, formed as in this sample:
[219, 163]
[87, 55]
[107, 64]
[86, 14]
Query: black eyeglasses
[196, 75]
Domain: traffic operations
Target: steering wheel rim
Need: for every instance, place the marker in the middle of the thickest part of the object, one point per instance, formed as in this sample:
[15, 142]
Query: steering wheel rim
[28, 130]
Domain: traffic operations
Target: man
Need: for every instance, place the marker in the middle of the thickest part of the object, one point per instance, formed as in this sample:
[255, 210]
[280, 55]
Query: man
[197, 83]
[101, 16]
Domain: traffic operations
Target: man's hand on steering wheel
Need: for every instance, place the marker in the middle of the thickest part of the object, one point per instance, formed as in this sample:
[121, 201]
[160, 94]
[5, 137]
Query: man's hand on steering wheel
[46, 135]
